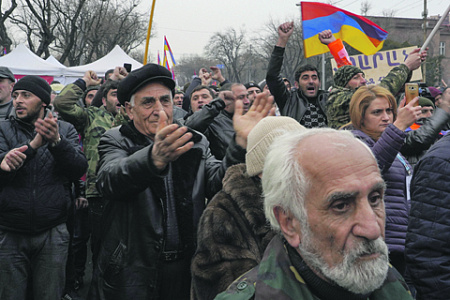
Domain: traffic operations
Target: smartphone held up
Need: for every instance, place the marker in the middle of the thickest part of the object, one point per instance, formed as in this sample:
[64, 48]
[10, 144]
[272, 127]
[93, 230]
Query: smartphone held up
[411, 92]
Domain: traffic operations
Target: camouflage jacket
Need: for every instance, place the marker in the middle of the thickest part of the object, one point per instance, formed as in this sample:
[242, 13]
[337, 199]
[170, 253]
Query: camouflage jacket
[339, 98]
[276, 278]
[90, 122]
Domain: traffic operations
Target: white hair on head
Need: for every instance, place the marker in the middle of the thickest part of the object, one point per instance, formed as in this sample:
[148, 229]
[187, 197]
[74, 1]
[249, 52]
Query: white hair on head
[284, 181]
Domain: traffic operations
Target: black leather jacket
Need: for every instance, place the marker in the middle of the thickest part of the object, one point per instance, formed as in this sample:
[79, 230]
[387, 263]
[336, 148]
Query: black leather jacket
[36, 197]
[418, 141]
[292, 104]
[216, 124]
[136, 218]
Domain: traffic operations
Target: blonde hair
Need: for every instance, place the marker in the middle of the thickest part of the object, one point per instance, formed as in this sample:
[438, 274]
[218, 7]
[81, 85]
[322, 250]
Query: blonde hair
[362, 99]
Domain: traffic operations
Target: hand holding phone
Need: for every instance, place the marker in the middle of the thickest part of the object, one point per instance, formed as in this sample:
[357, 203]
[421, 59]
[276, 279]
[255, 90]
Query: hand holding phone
[411, 92]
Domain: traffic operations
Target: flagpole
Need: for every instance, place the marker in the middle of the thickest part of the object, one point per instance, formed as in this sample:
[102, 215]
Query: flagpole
[149, 30]
[435, 29]
[323, 71]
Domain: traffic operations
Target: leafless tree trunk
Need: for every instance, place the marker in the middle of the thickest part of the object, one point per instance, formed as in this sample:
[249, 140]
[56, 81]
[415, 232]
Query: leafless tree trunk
[229, 48]
[5, 40]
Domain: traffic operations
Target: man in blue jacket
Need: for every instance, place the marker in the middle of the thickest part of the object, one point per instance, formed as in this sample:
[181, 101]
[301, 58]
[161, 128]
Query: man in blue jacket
[428, 237]
[40, 157]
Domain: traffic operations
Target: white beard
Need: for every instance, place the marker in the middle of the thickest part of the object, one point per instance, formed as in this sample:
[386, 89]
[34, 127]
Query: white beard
[358, 277]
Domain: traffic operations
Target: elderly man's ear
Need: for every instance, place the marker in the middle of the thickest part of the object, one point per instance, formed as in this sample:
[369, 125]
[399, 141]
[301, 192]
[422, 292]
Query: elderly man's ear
[289, 225]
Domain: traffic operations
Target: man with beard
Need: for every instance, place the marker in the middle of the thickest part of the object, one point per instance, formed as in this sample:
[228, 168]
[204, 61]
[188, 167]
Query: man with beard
[90, 122]
[324, 193]
[307, 103]
[156, 176]
[40, 157]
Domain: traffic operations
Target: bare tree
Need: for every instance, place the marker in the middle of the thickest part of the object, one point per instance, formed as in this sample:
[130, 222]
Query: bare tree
[36, 20]
[389, 13]
[228, 47]
[190, 65]
[293, 55]
[365, 7]
[5, 40]
[80, 31]
[68, 15]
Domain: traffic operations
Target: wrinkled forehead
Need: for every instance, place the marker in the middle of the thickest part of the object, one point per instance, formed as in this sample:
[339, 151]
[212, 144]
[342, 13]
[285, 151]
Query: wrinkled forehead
[325, 149]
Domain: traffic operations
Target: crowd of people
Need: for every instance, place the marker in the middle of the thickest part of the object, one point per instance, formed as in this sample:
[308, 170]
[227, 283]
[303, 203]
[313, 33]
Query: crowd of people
[227, 190]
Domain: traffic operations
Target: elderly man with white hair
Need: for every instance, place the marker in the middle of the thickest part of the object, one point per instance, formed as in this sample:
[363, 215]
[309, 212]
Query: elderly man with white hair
[324, 195]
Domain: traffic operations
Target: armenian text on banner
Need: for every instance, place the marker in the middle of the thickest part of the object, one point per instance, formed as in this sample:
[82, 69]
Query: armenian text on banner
[377, 66]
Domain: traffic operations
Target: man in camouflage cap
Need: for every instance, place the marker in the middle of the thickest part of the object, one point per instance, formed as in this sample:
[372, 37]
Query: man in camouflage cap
[349, 78]
[323, 192]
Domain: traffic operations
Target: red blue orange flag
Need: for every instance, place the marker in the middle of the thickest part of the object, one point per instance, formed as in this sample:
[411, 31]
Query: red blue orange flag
[159, 59]
[359, 32]
[166, 61]
[167, 48]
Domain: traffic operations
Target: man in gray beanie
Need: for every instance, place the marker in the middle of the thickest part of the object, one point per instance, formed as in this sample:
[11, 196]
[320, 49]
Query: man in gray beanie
[233, 227]
[40, 157]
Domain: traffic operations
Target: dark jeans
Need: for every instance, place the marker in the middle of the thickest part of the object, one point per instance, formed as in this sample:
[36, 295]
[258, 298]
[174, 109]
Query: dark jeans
[96, 207]
[81, 234]
[41, 257]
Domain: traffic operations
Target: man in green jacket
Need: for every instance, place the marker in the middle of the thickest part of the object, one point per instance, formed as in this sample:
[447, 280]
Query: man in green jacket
[324, 195]
[90, 122]
[348, 79]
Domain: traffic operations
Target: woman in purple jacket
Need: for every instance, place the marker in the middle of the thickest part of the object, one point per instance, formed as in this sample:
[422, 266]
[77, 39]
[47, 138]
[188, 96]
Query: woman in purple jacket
[376, 121]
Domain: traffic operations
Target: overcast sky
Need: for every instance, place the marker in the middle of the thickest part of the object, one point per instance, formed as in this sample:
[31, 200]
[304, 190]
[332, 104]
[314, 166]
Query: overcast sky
[188, 24]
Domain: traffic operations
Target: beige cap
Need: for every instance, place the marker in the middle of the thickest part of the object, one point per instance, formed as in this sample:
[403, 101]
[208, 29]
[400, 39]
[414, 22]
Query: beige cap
[262, 136]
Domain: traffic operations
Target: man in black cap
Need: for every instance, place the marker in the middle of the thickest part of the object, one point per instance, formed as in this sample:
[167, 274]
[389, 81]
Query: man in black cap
[156, 176]
[253, 90]
[40, 157]
[7, 81]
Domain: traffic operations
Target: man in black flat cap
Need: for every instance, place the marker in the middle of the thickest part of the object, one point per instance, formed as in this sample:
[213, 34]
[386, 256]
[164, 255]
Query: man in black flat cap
[156, 176]
[40, 157]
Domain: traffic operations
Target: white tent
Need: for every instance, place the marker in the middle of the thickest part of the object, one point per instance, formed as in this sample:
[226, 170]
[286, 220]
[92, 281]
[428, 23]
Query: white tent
[51, 59]
[117, 57]
[21, 61]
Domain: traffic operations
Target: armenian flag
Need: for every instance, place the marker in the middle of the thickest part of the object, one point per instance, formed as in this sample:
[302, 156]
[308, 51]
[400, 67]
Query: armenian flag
[166, 61]
[359, 32]
[159, 59]
[167, 48]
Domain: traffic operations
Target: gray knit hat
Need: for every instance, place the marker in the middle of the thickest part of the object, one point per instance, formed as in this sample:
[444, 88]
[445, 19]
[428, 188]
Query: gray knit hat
[344, 74]
[262, 136]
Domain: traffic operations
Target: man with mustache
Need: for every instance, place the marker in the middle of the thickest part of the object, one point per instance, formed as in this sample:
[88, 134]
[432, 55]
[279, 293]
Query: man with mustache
[156, 176]
[324, 195]
[40, 158]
